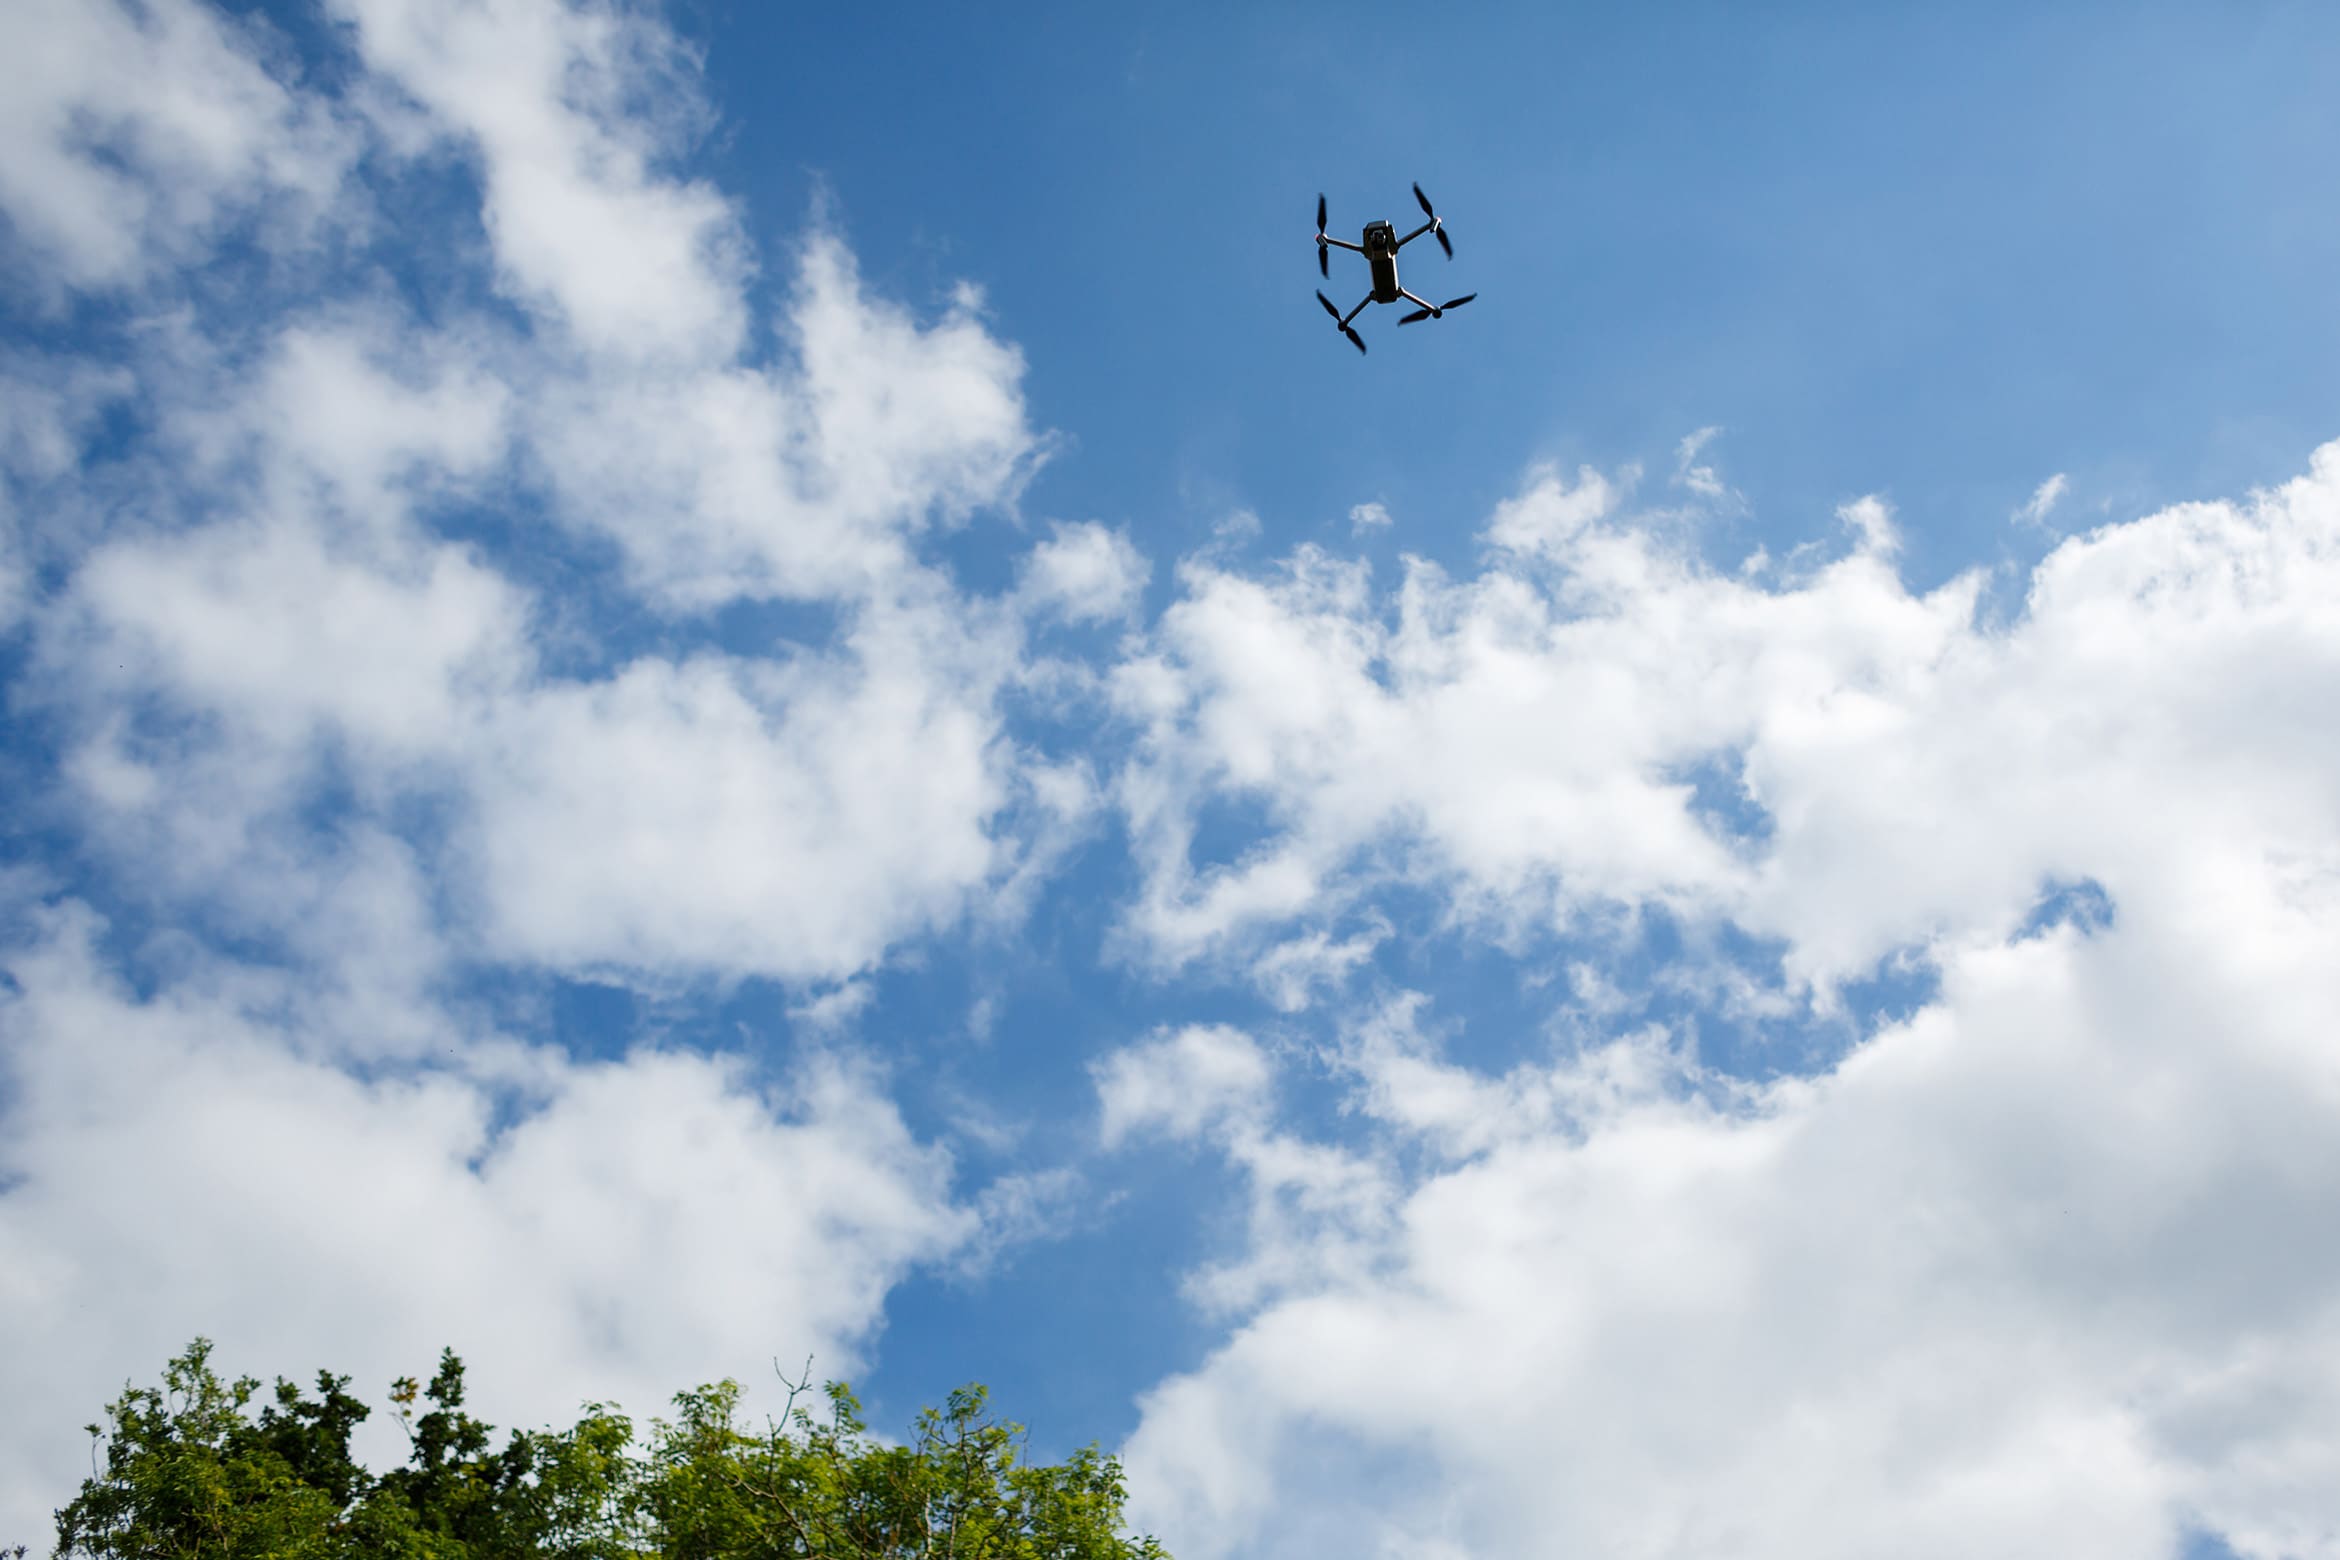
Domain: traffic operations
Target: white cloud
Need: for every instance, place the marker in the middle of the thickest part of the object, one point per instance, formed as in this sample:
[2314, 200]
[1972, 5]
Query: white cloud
[789, 818]
[279, 619]
[1369, 516]
[638, 1224]
[2039, 1271]
[1085, 572]
[1180, 1082]
[1528, 745]
[2043, 500]
[1688, 473]
[363, 401]
[285, 627]
[1233, 531]
[1291, 972]
[586, 227]
[295, 718]
[2012, 1278]
[639, 401]
[1549, 512]
[130, 134]
[725, 481]
[1870, 519]
[1314, 1208]
[46, 409]
[834, 1011]
[791, 821]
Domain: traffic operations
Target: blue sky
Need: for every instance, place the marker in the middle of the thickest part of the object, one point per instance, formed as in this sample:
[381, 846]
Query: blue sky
[1937, 257]
[697, 685]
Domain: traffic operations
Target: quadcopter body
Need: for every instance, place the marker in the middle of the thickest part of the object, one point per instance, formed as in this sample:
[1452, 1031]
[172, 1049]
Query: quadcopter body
[1379, 244]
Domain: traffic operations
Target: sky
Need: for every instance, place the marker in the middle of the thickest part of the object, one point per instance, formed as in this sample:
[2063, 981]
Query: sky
[691, 688]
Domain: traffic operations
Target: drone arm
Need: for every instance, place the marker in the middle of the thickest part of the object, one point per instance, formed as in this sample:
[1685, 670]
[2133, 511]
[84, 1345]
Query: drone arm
[1353, 313]
[1417, 233]
[1340, 243]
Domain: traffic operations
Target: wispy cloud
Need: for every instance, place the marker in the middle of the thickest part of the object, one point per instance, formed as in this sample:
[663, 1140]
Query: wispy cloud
[2043, 500]
[1691, 473]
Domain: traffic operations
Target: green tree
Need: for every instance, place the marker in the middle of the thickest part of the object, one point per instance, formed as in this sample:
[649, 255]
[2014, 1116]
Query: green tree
[189, 1473]
[463, 1499]
[960, 1490]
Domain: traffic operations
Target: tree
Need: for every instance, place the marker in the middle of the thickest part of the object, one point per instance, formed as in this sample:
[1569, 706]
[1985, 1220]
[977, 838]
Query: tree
[188, 1472]
[714, 1489]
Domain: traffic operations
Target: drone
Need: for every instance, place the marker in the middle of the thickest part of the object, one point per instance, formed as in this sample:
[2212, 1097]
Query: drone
[1380, 250]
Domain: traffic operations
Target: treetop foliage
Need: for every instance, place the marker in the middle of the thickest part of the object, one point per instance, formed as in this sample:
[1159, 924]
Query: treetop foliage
[189, 1471]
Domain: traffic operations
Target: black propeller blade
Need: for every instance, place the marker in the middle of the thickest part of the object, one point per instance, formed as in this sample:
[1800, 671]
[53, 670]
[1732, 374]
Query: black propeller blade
[1424, 314]
[1355, 340]
[1323, 254]
[1437, 228]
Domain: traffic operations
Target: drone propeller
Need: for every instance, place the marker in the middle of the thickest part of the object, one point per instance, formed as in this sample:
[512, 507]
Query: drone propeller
[1347, 330]
[1437, 228]
[1425, 314]
[1323, 254]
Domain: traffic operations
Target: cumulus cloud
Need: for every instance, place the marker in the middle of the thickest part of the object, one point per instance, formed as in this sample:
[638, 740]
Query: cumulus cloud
[1086, 573]
[724, 813]
[1550, 511]
[1881, 768]
[1984, 1285]
[2012, 1275]
[130, 135]
[335, 747]
[793, 820]
[588, 229]
[1870, 519]
[1177, 1083]
[638, 1224]
[284, 623]
[403, 643]
[1370, 516]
